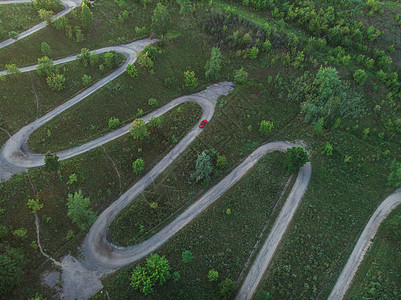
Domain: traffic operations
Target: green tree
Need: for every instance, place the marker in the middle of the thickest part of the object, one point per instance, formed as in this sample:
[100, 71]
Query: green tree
[157, 271]
[52, 5]
[328, 149]
[138, 129]
[227, 288]
[86, 17]
[203, 167]
[213, 65]
[78, 210]
[295, 158]
[51, 161]
[152, 102]
[187, 256]
[45, 67]
[145, 61]
[46, 15]
[34, 205]
[161, 20]
[360, 76]
[138, 166]
[240, 76]
[110, 59]
[84, 57]
[191, 82]
[132, 71]
[114, 123]
[11, 69]
[11, 268]
[394, 179]
[265, 127]
[46, 49]
[86, 80]
[213, 275]
[55, 81]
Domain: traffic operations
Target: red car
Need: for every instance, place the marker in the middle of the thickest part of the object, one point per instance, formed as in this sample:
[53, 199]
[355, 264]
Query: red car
[203, 124]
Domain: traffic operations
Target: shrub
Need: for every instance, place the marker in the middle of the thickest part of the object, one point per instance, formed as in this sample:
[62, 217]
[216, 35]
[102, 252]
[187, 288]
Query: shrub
[265, 127]
[132, 71]
[138, 129]
[51, 161]
[86, 17]
[110, 59]
[46, 49]
[221, 162]
[34, 205]
[56, 81]
[155, 122]
[253, 53]
[13, 35]
[11, 269]
[187, 256]
[267, 46]
[78, 210]
[213, 65]
[203, 168]
[144, 60]
[11, 69]
[360, 76]
[240, 76]
[93, 58]
[138, 166]
[394, 179]
[191, 82]
[78, 34]
[86, 80]
[152, 102]
[318, 127]
[213, 275]
[46, 15]
[114, 123]
[161, 21]
[45, 66]
[84, 57]
[52, 5]
[227, 288]
[295, 158]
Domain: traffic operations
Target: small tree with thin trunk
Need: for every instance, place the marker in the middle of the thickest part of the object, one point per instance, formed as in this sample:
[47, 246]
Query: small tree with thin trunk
[138, 129]
[78, 210]
[161, 20]
[86, 17]
[295, 158]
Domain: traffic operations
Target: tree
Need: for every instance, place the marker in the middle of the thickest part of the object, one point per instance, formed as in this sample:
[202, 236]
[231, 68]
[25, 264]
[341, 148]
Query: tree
[191, 82]
[227, 288]
[132, 71]
[110, 59]
[56, 81]
[203, 167]
[394, 179]
[46, 49]
[360, 76]
[46, 15]
[145, 61]
[34, 205]
[138, 129]
[152, 102]
[51, 161]
[265, 127]
[11, 69]
[11, 269]
[45, 66]
[213, 65]
[161, 21]
[213, 275]
[114, 123]
[84, 57]
[295, 158]
[86, 17]
[138, 166]
[240, 76]
[52, 5]
[78, 210]
[86, 80]
[187, 256]
[157, 271]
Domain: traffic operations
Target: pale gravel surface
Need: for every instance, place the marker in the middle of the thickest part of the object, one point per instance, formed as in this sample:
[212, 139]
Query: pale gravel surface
[363, 244]
[68, 6]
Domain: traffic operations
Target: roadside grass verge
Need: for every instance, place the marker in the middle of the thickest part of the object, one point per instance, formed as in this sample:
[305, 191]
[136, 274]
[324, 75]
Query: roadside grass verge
[96, 177]
[234, 127]
[26, 96]
[379, 274]
[216, 239]
[17, 17]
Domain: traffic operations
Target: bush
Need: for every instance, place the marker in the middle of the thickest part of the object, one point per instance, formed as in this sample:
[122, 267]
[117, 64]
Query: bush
[187, 256]
[132, 71]
[213, 65]
[157, 271]
[45, 67]
[227, 288]
[144, 60]
[138, 129]
[360, 76]
[51, 5]
[221, 162]
[11, 69]
[240, 76]
[161, 21]
[46, 49]
[78, 210]
[51, 161]
[213, 275]
[46, 15]
[13, 35]
[253, 53]
[265, 127]
[295, 158]
[114, 123]
[328, 149]
[394, 179]
[152, 102]
[84, 57]
[86, 17]
[56, 81]
[11, 269]
[86, 80]
[138, 166]
[191, 82]
[203, 168]
[110, 59]
[155, 122]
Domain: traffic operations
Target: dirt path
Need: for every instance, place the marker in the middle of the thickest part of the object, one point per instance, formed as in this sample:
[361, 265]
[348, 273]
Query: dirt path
[68, 6]
[363, 244]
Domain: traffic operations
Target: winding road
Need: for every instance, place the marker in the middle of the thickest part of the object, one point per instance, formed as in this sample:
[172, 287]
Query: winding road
[100, 256]
[69, 5]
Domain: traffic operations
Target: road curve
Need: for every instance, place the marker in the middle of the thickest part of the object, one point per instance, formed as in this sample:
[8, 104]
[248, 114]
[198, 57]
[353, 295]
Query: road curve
[68, 6]
[102, 255]
[266, 253]
[15, 155]
[364, 242]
